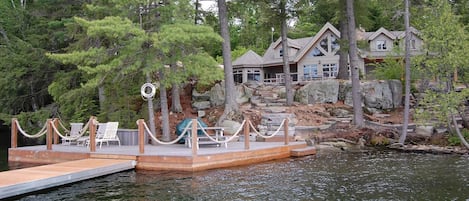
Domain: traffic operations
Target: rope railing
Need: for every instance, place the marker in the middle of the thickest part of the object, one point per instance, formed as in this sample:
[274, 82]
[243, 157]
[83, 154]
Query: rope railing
[75, 137]
[62, 125]
[153, 136]
[226, 140]
[68, 137]
[42, 132]
[267, 136]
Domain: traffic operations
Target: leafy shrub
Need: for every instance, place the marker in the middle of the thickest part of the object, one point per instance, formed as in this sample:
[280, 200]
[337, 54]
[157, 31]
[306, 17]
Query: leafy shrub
[454, 140]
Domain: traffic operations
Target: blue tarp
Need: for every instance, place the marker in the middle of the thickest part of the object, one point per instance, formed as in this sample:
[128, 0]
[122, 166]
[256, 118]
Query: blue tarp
[181, 125]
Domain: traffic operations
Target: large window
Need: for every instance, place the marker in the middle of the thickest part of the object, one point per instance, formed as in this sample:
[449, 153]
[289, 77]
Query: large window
[381, 45]
[310, 72]
[238, 76]
[327, 46]
[329, 70]
[254, 75]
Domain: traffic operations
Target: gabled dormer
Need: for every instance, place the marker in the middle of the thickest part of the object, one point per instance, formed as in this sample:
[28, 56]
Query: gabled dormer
[293, 48]
[381, 41]
[416, 42]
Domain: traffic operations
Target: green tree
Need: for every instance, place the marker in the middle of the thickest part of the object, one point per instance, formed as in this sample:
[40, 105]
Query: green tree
[446, 40]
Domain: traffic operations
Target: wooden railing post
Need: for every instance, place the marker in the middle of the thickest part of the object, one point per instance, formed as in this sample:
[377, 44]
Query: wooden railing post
[194, 137]
[286, 131]
[141, 137]
[14, 133]
[56, 135]
[50, 132]
[246, 134]
[92, 135]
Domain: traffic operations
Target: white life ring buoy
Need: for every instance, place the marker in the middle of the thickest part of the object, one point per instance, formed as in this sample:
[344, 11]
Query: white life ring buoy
[143, 90]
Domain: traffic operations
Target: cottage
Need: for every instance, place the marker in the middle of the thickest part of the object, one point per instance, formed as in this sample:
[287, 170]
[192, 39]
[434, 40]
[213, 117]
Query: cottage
[317, 57]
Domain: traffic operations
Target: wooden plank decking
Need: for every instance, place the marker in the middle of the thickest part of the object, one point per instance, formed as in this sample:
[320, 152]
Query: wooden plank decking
[21, 181]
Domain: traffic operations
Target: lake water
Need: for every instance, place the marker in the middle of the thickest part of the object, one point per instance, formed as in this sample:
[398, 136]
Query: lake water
[377, 175]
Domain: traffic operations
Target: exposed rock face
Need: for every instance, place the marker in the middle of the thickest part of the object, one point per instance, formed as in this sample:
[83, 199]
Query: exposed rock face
[324, 91]
[230, 127]
[216, 96]
[376, 95]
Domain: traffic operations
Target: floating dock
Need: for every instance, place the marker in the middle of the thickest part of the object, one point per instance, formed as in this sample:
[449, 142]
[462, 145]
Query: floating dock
[69, 163]
[22, 181]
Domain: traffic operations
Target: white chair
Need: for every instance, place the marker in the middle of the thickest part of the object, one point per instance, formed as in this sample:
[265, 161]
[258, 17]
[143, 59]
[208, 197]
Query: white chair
[99, 133]
[109, 134]
[73, 135]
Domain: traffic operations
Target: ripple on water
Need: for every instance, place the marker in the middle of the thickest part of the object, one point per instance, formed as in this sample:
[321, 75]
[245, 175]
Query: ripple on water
[335, 176]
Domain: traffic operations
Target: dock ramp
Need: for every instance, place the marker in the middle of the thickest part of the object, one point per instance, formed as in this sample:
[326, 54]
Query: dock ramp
[22, 181]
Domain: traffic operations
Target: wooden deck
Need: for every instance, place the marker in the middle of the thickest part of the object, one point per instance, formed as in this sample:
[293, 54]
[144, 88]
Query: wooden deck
[70, 163]
[21, 181]
[164, 157]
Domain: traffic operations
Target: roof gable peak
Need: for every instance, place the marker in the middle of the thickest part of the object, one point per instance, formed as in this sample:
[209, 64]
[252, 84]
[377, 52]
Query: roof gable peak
[380, 31]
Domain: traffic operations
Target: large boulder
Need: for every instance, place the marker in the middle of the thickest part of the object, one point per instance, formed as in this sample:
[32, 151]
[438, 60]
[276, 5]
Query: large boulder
[230, 127]
[201, 105]
[324, 91]
[196, 96]
[217, 95]
[377, 94]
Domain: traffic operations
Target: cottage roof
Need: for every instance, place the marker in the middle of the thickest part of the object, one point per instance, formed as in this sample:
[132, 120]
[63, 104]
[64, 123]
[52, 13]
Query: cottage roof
[382, 31]
[250, 58]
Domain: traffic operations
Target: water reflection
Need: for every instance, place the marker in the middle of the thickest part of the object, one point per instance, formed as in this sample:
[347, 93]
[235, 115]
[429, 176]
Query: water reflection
[334, 176]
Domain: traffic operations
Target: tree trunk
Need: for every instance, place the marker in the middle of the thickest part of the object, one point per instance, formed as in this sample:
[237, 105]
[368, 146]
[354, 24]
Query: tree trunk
[461, 137]
[4, 34]
[196, 12]
[343, 51]
[176, 99]
[286, 62]
[407, 74]
[230, 98]
[34, 104]
[101, 98]
[151, 111]
[356, 95]
[465, 121]
[164, 110]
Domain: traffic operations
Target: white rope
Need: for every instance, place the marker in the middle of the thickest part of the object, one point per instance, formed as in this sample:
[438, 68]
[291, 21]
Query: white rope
[267, 136]
[226, 140]
[66, 137]
[38, 134]
[63, 126]
[166, 143]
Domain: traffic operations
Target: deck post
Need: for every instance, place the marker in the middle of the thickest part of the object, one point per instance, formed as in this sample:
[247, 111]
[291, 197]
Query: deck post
[286, 130]
[14, 133]
[93, 135]
[194, 138]
[50, 132]
[246, 134]
[141, 136]
[56, 135]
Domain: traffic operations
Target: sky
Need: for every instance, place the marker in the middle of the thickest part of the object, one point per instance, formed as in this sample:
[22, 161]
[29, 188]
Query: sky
[208, 5]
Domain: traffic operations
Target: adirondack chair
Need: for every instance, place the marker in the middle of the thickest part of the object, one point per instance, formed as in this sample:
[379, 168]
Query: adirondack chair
[99, 133]
[109, 134]
[73, 135]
